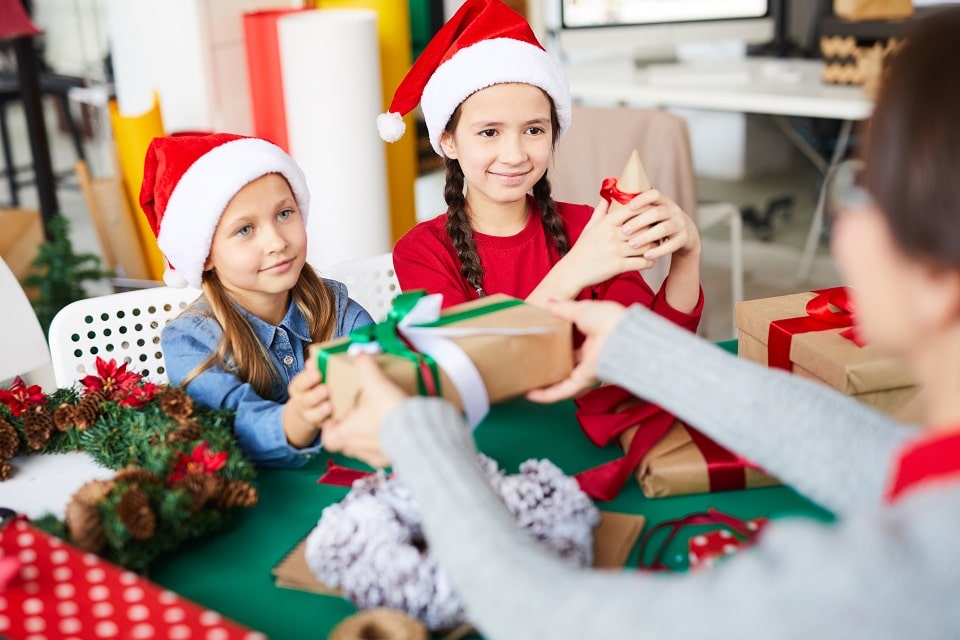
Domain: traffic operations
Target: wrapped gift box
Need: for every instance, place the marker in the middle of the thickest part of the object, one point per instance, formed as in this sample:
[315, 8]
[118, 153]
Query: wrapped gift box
[685, 461]
[825, 355]
[514, 346]
[54, 590]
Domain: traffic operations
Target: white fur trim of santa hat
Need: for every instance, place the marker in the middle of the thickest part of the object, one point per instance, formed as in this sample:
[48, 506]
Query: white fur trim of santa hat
[484, 64]
[204, 191]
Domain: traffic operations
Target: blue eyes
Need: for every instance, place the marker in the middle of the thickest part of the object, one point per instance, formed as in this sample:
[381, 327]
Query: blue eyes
[282, 215]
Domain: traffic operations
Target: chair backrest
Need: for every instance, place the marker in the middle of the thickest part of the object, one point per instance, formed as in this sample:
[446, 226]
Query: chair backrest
[23, 346]
[370, 281]
[121, 326]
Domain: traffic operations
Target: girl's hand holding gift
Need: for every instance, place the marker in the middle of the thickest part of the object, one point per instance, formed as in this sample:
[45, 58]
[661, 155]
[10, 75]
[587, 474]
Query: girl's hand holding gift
[661, 227]
[307, 408]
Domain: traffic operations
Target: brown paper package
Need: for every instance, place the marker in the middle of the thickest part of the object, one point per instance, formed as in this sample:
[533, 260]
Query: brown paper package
[675, 466]
[509, 365]
[865, 373]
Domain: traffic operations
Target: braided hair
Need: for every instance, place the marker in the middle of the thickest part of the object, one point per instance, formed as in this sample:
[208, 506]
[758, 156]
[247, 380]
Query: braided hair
[458, 222]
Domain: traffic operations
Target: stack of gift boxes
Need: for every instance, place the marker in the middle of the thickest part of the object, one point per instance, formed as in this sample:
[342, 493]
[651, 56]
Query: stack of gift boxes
[809, 334]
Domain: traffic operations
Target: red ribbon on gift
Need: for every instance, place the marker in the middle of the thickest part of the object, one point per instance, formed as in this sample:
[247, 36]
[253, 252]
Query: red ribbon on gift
[726, 470]
[609, 191]
[603, 421]
[339, 476]
[821, 316]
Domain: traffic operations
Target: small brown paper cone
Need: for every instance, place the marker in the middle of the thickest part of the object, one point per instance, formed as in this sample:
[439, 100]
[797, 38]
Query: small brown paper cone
[633, 179]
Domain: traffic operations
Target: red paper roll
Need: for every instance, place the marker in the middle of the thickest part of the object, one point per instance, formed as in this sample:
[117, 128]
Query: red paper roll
[263, 70]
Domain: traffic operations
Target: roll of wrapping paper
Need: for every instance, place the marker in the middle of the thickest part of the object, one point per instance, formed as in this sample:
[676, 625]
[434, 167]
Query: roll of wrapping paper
[263, 71]
[133, 135]
[393, 35]
[331, 84]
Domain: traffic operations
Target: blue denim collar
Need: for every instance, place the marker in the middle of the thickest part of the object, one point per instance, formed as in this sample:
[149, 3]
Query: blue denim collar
[293, 322]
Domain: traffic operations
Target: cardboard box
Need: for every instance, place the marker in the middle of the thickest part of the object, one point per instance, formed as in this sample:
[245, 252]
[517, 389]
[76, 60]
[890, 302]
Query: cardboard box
[20, 240]
[678, 465]
[509, 365]
[864, 373]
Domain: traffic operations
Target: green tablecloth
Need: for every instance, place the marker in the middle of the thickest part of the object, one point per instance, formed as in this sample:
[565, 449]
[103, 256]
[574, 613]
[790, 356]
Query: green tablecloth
[230, 572]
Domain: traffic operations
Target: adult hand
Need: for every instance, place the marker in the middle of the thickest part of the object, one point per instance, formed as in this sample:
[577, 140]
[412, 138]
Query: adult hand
[358, 433]
[595, 319]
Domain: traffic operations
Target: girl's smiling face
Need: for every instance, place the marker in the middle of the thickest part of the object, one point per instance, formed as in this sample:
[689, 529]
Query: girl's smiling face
[260, 246]
[503, 141]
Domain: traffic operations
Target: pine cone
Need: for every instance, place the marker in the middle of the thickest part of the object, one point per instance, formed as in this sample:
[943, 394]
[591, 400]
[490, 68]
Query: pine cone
[88, 410]
[202, 487]
[176, 403]
[188, 431]
[6, 470]
[9, 440]
[135, 513]
[37, 426]
[237, 494]
[65, 416]
[135, 474]
[83, 521]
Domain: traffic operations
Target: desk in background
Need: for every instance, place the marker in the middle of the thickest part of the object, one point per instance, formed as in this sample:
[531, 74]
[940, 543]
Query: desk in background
[772, 86]
[230, 571]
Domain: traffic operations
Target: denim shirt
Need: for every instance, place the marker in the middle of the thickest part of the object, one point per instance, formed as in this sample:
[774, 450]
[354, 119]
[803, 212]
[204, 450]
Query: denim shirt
[189, 339]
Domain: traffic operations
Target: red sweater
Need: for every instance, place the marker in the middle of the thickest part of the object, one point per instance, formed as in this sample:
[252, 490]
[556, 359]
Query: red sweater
[424, 258]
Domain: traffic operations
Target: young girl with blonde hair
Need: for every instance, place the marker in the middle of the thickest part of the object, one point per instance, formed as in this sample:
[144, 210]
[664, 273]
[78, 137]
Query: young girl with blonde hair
[230, 217]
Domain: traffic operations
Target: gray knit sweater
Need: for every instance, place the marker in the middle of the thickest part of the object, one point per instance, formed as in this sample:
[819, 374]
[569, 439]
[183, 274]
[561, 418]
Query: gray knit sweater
[877, 572]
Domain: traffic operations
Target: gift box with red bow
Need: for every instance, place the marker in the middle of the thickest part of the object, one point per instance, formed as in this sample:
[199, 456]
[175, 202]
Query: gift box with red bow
[51, 589]
[473, 354]
[813, 334]
[667, 457]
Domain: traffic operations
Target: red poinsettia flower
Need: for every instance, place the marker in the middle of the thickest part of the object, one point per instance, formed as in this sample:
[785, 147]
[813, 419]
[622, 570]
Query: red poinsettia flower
[114, 381]
[20, 397]
[140, 395]
[201, 461]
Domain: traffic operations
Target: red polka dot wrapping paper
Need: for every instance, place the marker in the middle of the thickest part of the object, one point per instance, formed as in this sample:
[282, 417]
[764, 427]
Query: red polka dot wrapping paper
[706, 549]
[50, 589]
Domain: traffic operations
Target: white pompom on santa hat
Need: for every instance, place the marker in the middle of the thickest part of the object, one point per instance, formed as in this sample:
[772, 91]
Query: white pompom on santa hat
[483, 44]
[189, 180]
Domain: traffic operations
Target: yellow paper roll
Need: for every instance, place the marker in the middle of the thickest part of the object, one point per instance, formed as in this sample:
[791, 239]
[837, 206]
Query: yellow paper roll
[393, 31]
[133, 135]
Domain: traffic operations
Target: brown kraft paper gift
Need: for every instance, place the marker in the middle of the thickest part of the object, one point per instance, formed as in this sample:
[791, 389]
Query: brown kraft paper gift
[509, 365]
[676, 465]
[865, 373]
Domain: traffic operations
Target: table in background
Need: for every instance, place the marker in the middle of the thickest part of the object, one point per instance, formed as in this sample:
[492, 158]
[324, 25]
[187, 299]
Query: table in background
[777, 87]
[230, 571]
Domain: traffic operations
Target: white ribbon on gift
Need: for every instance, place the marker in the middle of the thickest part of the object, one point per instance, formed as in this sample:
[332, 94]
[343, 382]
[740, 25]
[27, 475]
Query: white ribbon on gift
[454, 361]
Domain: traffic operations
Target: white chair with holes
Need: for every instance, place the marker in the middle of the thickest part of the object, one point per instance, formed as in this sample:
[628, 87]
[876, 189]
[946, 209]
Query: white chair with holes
[121, 326]
[370, 281]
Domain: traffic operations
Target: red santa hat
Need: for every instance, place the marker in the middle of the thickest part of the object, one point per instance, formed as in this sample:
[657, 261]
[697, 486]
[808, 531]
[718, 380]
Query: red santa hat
[483, 44]
[188, 181]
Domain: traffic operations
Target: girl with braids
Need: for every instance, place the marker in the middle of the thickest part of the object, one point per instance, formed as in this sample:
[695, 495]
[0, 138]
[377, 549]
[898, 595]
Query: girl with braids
[495, 104]
[230, 216]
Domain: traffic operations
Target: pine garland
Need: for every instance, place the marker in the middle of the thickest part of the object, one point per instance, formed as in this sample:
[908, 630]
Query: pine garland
[180, 474]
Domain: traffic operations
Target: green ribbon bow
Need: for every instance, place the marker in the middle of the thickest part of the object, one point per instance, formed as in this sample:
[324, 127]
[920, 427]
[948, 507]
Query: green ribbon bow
[386, 334]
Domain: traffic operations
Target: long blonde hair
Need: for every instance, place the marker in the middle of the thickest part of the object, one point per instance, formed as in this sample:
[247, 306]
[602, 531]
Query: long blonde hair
[241, 351]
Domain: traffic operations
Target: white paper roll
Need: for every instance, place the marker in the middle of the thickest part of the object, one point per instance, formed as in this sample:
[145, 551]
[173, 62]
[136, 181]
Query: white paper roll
[330, 63]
